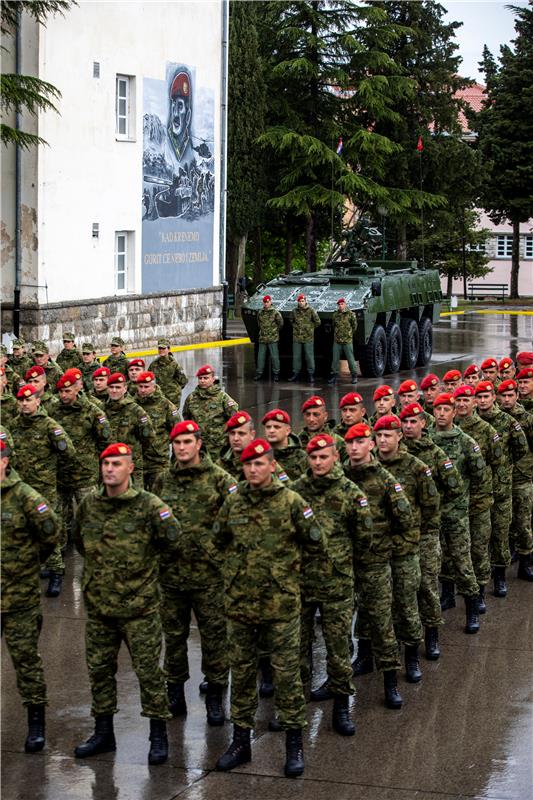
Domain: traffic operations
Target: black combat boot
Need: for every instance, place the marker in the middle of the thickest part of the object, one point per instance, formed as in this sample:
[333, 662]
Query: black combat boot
[176, 699]
[202, 686]
[364, 662]
[472, 614]
[266, 687]
[500, 587]
[432, 643]
[354, 377]
[311, 378]
[322, 693]
[294, 377]
[276, 377]
[447, 597]
[393, 698]
[44, 573]
[482, 607]
[413, 672]
[525, 568]
[238, 752]
[332, 380]
[341, 716]
[213, 705]
[102, 740]
[158, 752]
[258, 376]
[294, 749]
[55, 582]
[35, 739]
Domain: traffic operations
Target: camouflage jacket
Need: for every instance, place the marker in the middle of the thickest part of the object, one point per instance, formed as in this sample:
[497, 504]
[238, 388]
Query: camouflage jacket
[342, 511]
[344, 326]
[293, 458]
[488, 440]
[523, 468]
[68, 359]
[170, 377]
[117, 363]
[87, 374]
[329, 427]
[513, 439]
[466, 454]
[304, 321]
[14, 379]
[30, 532]
[270, 323]
[195, 495]
[6, 437]
[210, 408]
[231, 462]
[394, 529]
[526, 402]
[163, 415]
[99, 399]
[21, 364]
[121, 540]
[53, 374]
[130, 424]
[49, 402]
[261, 535]
[445, 474]
[8, 408]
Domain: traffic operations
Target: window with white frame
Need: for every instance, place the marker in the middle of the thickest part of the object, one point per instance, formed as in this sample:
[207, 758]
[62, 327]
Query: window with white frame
[504, 246]
[528, 246]
[124, 259]
[480, 247]
[125, 107]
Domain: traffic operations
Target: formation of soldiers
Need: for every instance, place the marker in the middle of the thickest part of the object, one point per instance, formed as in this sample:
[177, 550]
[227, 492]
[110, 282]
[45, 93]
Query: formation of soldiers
[253, 534]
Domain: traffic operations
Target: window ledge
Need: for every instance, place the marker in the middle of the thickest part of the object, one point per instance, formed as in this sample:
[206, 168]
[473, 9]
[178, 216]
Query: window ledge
[125, 139]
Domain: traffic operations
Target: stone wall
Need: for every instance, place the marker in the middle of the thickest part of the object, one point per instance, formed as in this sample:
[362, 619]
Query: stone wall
[186, 317]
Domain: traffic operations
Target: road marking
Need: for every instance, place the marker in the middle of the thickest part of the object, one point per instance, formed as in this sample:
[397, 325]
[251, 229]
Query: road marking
[182, 347]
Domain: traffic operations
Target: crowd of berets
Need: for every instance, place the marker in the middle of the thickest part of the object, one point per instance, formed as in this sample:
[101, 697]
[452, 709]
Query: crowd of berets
[389, 512]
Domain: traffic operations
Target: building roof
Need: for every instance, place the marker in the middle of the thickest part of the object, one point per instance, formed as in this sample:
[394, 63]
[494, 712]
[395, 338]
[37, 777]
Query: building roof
[474, 97]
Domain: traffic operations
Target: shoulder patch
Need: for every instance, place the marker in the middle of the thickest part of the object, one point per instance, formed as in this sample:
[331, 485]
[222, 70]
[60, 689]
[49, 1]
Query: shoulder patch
[174, 412]
[101, 420]
[164, 513]
[144, 419]
[517, 426]
[58, 432]
[283, 476]
[496, 437]
[363, 502]
[232, 403]
[448, 465]
[232, 488]
[476, 448]
[308, 512]
[42, 507]
[428, 472]
[397, 487]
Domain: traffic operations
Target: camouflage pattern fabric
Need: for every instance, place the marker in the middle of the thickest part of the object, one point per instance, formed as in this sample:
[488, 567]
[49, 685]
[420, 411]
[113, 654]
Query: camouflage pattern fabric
[210, 408]
[520, 533]
[336, 614]
[344, 326]
[69, 358]
[406, 577]
[87, 375]
[231, 462]
[117, 363]
[293, 458]
[90, 433]
[130, 424]
[163, 415]
[8, 408]
[170, 377]
[22, 628]
[304, 321]
[374, 615]
[20, 364]
[270, 322]
[53, 374]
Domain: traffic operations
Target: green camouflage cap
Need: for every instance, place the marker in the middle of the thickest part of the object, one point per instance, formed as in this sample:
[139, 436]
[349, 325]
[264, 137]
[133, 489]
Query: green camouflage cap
[163, 342]
[19, 343]
[3, 349]
[88, 347]
[39, 348]
[69, 337]
[118, 341]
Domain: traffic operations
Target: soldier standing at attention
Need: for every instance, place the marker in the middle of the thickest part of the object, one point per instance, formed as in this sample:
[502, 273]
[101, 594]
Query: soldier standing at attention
[20, 360]
[270, 323]
[69, 356]
[304, 320]
[384, 403]
[240, 432]
[260, 534]
[41, 357]
[316, 420]
[210, 407]
[135, 367]
[524, 379]
[451, 380]
[163, 416]
[489, 369]
[89, 365]
[99, 393]
[288, 452]
[122, 533]
[506, 369]
[29, 535]
[37, 377]
[430, 386]
[117, 361]
[408, 392]
[169, 375]
[344, 328]
[472, 375]
[352, 411]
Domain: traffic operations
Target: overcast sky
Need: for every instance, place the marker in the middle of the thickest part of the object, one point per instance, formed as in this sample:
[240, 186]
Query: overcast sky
[484, 22]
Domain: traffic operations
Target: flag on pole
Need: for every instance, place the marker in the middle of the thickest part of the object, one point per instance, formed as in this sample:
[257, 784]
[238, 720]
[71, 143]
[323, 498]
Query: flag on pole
[420, 145]
[339, 146]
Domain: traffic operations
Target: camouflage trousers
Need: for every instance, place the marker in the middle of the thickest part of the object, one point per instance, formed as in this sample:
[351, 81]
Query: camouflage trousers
[405, 585]
[374, 614]
[347, 351]
[272, 348]
[149, 476]
[309, 353]
[520, 533]
[283, 640]
[143, 638]
[480, 527]
[22, 629]
[501, 515]
[456, 556]
[55, 561]
[336, 628]
[176, 609]
[428, 594]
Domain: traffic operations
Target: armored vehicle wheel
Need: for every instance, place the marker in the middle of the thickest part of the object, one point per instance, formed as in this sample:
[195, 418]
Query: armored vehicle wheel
[374, 355]
[425, 331]
[411, 339]
[394, 348]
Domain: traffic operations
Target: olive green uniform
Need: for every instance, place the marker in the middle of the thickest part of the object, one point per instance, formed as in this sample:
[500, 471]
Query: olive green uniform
[170, 377]
[117, 363]
[520, 533]
[163, 415]
[210, 408]
[131, 425]
[304, 321]
[270, 322]
[344, 328]
[67, 359]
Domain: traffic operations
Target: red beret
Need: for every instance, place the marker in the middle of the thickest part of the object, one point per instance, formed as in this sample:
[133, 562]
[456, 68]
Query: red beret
[340, 300]
[407, 386]
[136, 362]
[278, 415]
[484, 386]
[34, 372]
[206, 369]
[181, 85]
[488, 363]
[26, 391]
[383, 391]
[3, 446]
[507, 386]
[452, 375]
[429, 381]
[300, 297]
[69, 378]
[238, 419]
[181, 428]
[314, 402]
[505, 363]
[116, 449]
[350, 399]
[101, 372]
[527, 372]
[525, 358]
[359, 431]
[389, 422]
[473, 369]
[256, 449]
[145, 377]
[412, 410]
[116, 377]
[266, 298]
[444, 399]
[464, 391]
[320, 442]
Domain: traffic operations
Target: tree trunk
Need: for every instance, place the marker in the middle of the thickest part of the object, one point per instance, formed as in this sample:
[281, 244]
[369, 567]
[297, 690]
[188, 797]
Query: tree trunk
[449, 284]
[258, 256]
[236, 251]
[311, 241]
[401, 243]
[515, 259]
[288, 250]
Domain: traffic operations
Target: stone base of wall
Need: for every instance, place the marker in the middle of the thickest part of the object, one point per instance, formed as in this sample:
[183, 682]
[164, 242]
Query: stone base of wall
[185, 317]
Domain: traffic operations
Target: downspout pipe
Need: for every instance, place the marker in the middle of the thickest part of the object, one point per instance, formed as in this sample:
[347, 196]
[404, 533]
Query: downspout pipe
[223, 160]
[18, 189]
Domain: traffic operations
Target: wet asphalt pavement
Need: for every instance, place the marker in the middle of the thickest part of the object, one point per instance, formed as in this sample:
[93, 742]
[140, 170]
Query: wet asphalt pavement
[465, 731]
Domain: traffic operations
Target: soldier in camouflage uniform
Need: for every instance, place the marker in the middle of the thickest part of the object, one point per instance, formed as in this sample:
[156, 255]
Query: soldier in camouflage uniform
[8, 404]
[20, 361]
[29, 533]
[524, 379]
[288, 452]
[472, 375]
[135, 367]
[506, 369]
[36, 375]
[14, 380]
[520, 533]
[489, 371]
[515, 447]
[210, 407]
[117, 361]
[169, 375]
[316, 420]
[89, 364]
[41, 357]
[41, 448]
[99, 393]
[408, 392]
[304, 320]
[352, 411]
[430, 386]
[270, 322]
[384, 403]
[451, 380]
[195, 489]
[341, 510]
[344, 328]
[163, 416]
[260, 534]
[393, 526]
[69, 356]
[122, 534]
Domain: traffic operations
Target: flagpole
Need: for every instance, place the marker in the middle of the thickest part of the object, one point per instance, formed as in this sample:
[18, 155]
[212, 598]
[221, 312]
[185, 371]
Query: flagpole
[332, 169]
[420, 149]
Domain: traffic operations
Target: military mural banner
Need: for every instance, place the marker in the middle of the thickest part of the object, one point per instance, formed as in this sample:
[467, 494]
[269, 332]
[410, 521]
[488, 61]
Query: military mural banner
[178, 182]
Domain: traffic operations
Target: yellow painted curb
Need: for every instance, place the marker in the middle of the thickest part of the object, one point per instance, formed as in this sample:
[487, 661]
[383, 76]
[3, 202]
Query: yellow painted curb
[182, 347]
[485, 311]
